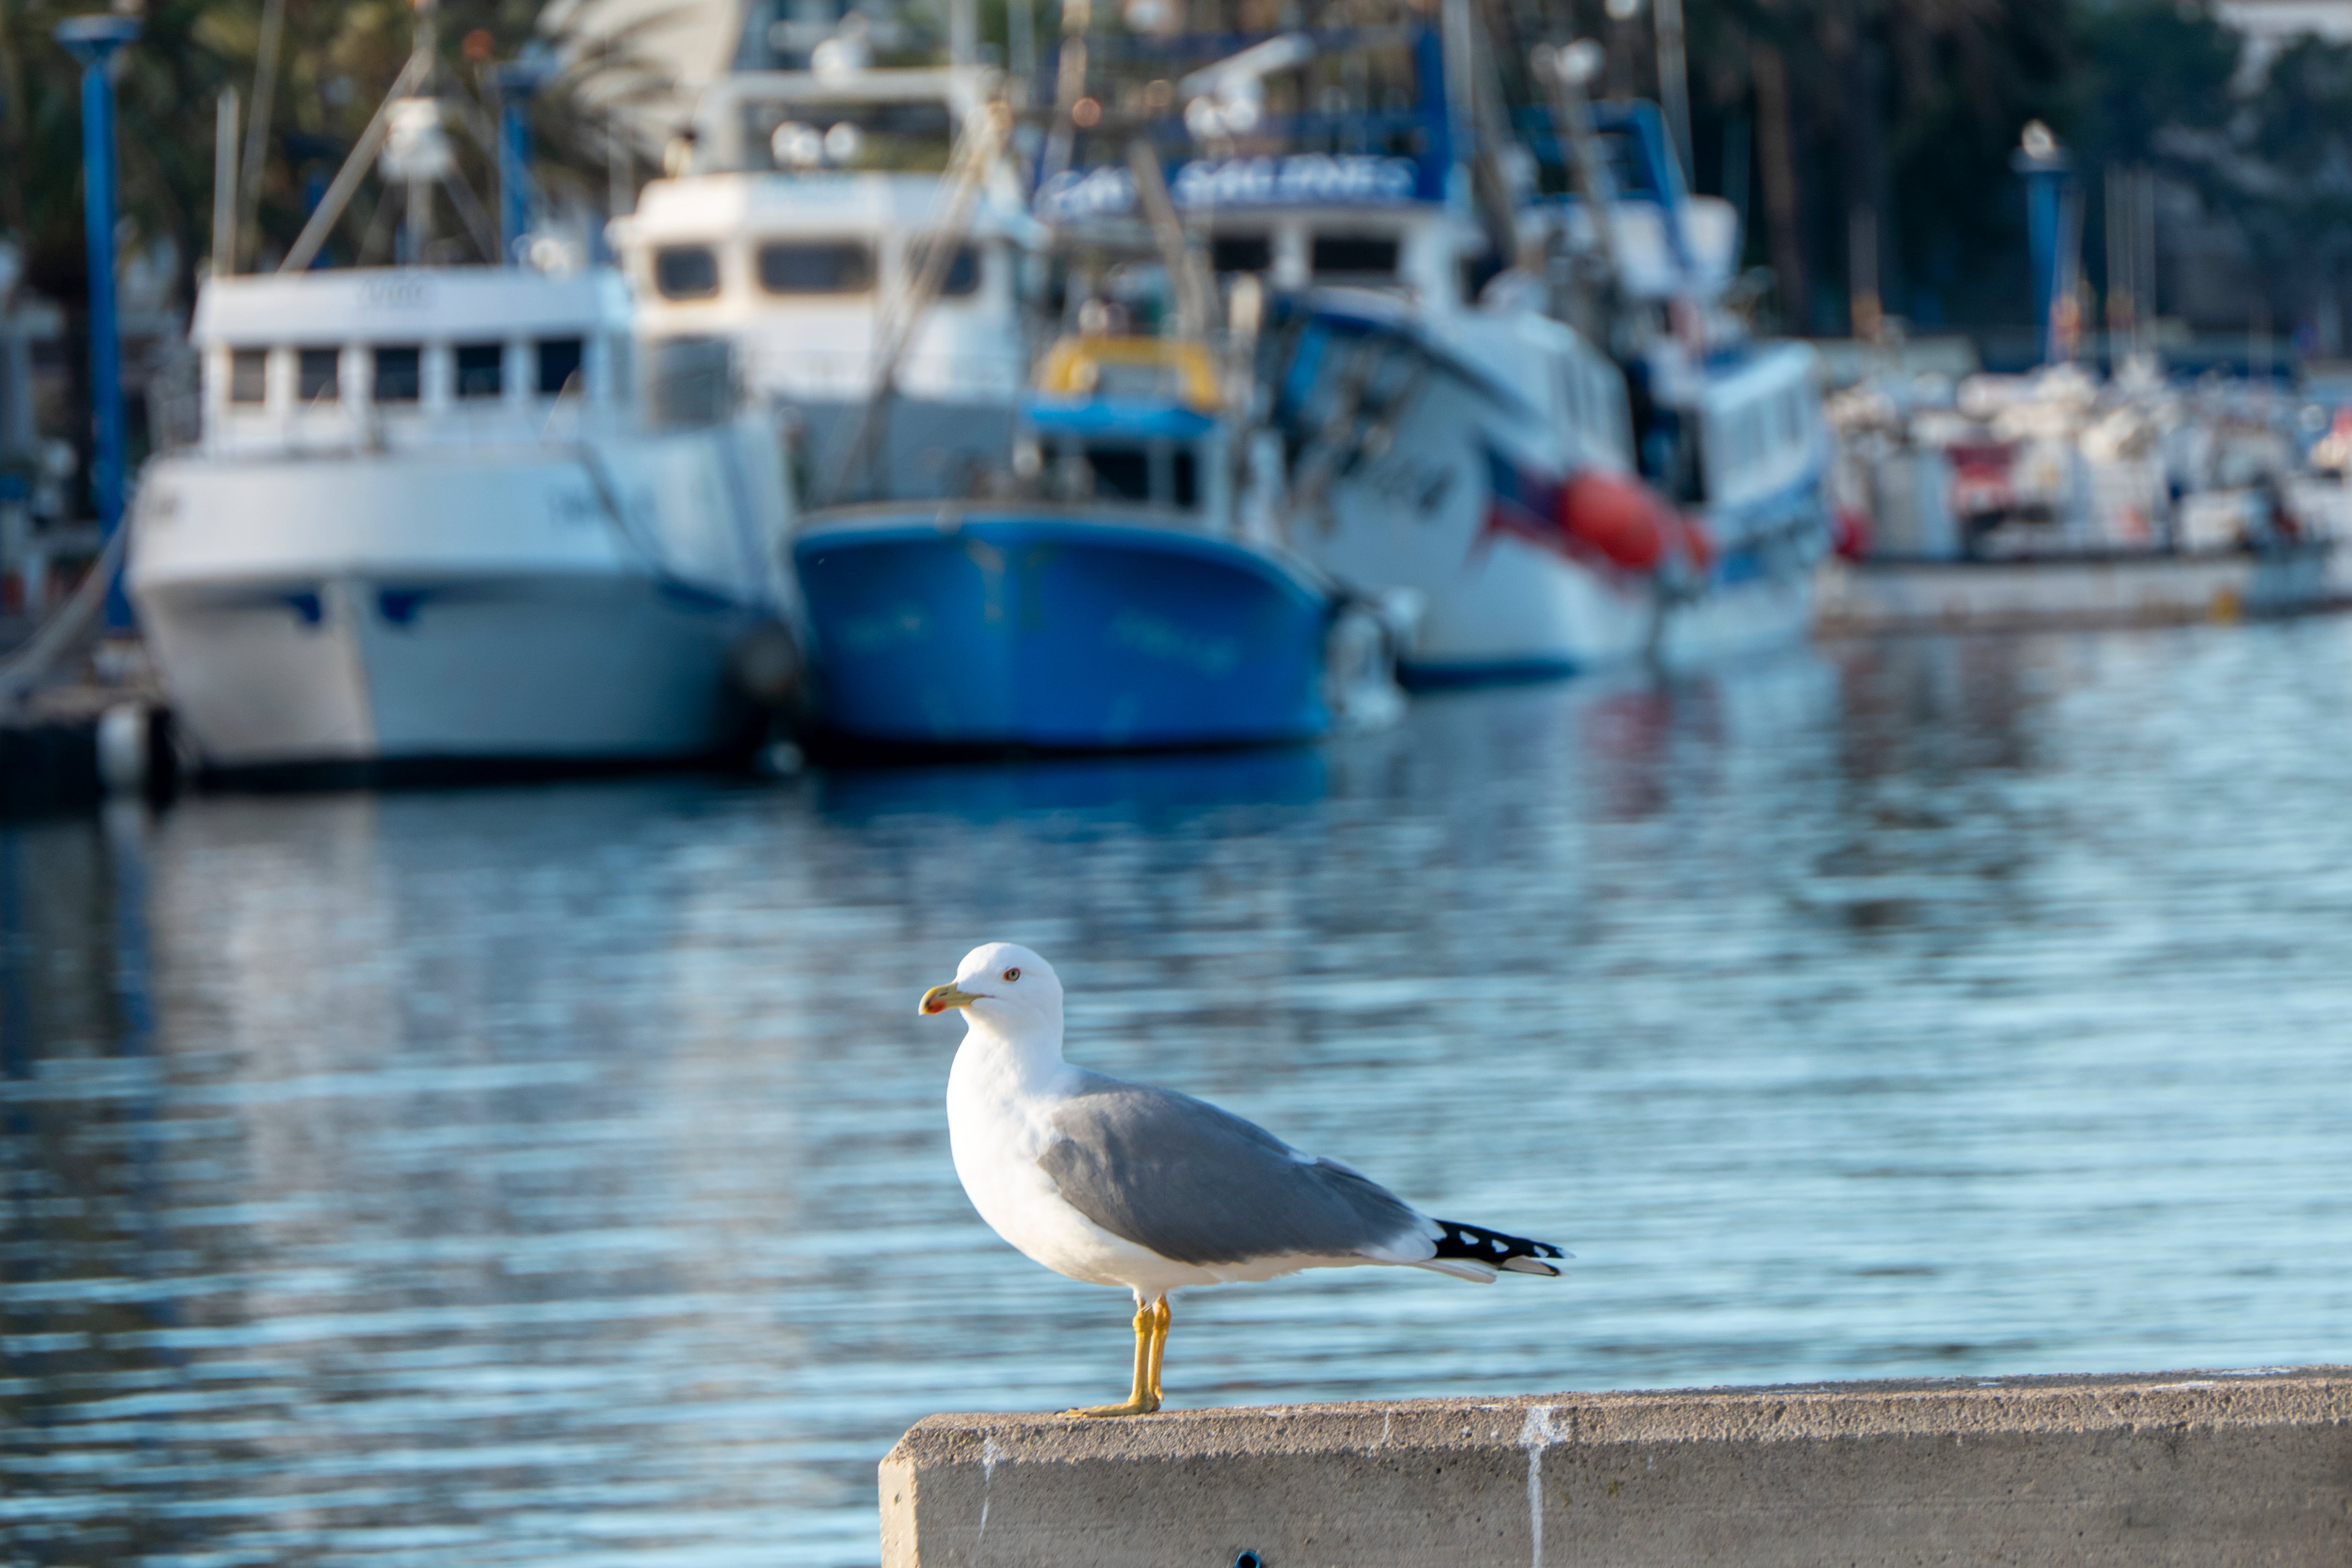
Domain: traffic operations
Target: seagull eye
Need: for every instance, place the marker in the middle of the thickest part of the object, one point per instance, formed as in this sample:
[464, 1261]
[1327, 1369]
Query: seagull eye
[1013, 974]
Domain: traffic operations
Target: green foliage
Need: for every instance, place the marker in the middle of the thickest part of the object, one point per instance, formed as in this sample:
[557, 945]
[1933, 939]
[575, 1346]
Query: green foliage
[1912, 107]
[2147, 66]
[336, 60]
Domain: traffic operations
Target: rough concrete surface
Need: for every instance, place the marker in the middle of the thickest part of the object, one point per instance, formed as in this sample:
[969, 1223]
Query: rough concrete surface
[2205, 1468]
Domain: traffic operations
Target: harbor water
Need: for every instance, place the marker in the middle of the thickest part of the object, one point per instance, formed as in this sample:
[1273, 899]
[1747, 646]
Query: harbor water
[559, 1176]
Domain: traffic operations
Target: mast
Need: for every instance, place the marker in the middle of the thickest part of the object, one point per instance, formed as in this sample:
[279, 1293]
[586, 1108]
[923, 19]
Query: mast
[1674, 80]
[1459, 80]
[417, 223]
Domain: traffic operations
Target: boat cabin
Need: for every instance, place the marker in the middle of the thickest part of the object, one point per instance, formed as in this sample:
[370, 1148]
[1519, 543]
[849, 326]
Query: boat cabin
[368, 358]
[1762, 433]
[1739, 433]
[1299, 221]
[1131, 421]
[1666, 240]
[798, 213]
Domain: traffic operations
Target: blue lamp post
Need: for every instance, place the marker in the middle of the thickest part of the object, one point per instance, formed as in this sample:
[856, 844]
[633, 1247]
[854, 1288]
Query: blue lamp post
[92, 40]
[2048, 174]
[518, 80]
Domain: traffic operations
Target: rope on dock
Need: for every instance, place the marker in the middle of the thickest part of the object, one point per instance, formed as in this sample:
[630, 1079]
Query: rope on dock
[66, 625]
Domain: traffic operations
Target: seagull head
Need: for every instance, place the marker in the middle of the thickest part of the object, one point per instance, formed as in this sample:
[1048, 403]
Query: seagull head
[1004, 986]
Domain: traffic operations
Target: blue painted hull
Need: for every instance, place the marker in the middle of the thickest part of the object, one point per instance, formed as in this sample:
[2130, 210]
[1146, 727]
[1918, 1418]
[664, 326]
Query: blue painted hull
[1023, 629]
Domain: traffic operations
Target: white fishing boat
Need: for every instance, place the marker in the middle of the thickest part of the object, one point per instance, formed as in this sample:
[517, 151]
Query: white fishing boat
[429, 519]
[811, 226]
[1562, 500]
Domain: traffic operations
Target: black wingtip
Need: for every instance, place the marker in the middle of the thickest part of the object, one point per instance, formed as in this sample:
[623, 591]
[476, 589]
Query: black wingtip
[1512, 1254]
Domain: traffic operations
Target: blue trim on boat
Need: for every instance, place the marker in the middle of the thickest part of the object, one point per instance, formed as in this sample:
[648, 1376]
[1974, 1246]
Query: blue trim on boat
[1416, 676]
[399, 605]
[1801, 496]
[1133, 417]
[694, 596]
[1326, 317]
[1087, 632]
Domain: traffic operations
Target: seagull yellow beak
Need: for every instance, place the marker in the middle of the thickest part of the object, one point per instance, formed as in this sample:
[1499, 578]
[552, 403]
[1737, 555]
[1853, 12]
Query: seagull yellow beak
[939, 998]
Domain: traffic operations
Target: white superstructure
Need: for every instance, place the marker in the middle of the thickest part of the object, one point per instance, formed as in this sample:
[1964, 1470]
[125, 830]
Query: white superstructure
[793, 231]
[1450, 435]
[430, 519]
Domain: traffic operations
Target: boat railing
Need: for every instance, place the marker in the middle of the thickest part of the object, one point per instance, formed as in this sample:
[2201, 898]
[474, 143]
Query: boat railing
[342, 430]
[850, 373]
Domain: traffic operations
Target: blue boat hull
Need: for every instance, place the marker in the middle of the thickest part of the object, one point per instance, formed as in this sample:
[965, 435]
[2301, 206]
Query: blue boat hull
[1079, 633]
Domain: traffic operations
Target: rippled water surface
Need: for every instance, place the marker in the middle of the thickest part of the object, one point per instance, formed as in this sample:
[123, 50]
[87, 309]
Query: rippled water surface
[559, 1176]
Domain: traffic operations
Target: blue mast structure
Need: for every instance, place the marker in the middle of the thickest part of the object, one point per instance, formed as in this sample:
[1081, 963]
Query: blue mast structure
[92, 40]
[518, 80]
[2048, 173]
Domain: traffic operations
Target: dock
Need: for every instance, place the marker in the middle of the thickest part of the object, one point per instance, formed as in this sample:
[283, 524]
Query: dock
[70, 747]
[2118, 589]
[2209, 1469]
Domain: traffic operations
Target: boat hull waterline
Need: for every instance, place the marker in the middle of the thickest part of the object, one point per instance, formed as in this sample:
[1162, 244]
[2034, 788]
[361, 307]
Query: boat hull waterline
[471, 608]
[1077, 634]
[1520, 603]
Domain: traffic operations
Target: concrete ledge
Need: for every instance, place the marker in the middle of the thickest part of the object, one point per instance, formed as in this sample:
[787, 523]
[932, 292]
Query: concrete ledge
[2205, 1468]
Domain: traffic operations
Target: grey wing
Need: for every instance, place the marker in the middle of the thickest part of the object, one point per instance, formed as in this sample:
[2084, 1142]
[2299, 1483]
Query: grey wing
[1197, 1184]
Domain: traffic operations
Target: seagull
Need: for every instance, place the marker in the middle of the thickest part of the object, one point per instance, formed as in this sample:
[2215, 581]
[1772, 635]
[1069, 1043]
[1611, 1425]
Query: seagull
[1122, 1183]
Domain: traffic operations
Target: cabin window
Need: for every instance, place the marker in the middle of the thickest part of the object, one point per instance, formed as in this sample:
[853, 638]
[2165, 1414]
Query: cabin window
[399, 375]
[317, 376]
[685, 272]
[1353, 255]
[963, 277]
[833, 267]
[559, 364]
[248, 375]
[1476, 272]
[1153, 474]
[1241, 253]
[481, 368]
[1121, 473]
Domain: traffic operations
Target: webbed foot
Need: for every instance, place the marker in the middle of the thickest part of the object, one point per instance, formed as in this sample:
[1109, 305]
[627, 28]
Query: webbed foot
[1144, 1406]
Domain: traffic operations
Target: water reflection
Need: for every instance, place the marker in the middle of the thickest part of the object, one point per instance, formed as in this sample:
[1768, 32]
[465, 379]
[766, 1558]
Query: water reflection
[560, 1175]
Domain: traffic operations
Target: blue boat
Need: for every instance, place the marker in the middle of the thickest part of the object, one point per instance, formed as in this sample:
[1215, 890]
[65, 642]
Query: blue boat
[1126, 612]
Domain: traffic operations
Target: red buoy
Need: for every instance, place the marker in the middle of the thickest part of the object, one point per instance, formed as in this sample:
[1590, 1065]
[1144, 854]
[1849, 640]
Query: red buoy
[1615, 517]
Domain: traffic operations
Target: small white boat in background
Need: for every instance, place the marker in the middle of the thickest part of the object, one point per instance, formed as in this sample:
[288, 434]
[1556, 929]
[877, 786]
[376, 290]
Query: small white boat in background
[429, 519]
[2056, 498]
[795, 230]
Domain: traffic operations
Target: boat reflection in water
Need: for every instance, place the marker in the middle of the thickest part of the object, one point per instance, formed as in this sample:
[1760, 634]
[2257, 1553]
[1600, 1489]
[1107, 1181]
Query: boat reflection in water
[1151, 789]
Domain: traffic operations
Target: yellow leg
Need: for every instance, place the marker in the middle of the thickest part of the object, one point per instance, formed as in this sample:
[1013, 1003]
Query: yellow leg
[1143, 1398]
[1160, 1316]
